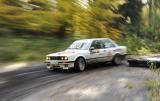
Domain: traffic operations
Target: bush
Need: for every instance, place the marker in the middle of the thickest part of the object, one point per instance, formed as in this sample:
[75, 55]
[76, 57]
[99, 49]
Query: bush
[137, 45]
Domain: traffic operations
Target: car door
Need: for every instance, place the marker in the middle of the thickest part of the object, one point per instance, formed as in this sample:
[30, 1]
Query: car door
[109, 49]
[97, 52]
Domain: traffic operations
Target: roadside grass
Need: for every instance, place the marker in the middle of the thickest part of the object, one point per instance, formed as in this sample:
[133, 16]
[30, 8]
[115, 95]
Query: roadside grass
[153, 85]
[153, 88]
[29, 48]
[129, 86]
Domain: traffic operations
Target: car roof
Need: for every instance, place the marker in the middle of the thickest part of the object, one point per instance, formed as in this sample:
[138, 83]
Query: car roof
[89, 40]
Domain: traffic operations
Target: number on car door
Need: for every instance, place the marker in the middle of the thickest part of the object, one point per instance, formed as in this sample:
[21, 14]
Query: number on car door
[98, 52]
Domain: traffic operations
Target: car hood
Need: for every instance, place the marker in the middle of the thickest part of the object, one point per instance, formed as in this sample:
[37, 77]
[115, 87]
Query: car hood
[66, 53]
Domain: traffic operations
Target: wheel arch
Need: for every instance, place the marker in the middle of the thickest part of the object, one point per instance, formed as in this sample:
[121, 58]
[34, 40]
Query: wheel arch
[80, 57]
[117, 53]
[121, 56]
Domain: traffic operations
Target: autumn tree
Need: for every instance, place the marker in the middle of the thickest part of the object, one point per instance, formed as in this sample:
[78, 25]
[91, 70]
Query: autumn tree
[101, 16]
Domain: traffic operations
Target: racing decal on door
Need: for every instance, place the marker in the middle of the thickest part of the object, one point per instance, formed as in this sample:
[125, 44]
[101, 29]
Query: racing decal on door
[117, 50]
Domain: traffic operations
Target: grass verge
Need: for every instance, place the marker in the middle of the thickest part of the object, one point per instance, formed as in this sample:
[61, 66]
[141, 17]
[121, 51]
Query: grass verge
[153, 88]
[129, 86]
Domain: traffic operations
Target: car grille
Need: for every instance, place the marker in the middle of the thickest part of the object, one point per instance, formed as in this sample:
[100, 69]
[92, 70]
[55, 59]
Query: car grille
[55, 58]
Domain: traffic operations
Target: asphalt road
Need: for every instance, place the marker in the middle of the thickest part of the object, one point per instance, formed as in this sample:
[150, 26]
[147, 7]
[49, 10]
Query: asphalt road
[97, 83]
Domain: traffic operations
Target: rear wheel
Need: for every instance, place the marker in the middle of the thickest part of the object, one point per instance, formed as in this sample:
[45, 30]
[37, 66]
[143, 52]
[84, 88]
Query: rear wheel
[80, 64]
[117, 60]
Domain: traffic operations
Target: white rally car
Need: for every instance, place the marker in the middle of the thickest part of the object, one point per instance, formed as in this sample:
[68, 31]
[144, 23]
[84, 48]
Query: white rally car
[86, 51]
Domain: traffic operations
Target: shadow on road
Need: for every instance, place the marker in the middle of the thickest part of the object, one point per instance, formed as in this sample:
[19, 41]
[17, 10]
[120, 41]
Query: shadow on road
[92, 67]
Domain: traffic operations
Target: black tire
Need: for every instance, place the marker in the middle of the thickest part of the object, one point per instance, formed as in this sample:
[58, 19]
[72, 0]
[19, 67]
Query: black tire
[117, 60]
[80, 64]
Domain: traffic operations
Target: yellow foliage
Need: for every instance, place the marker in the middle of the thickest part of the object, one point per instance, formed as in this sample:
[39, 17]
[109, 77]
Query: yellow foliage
[143, 51]
[68, 18]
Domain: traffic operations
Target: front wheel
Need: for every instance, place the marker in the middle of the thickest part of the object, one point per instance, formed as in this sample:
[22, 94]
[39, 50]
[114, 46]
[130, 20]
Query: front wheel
[80, 64]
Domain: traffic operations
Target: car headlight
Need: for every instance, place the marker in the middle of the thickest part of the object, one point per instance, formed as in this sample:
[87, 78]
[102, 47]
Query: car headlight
[64, 58]
[47, 58]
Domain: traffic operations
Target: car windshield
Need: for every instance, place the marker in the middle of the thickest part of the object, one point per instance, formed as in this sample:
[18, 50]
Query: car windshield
[78, 45]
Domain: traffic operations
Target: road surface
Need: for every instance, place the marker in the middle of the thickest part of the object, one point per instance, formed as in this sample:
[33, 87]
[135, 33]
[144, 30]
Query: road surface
[97, 83]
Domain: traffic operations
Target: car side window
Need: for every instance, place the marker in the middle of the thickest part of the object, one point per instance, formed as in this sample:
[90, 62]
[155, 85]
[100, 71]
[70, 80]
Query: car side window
[97, 44]
[108, 44]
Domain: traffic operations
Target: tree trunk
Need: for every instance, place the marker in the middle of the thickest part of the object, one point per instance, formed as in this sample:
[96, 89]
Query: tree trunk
[150, 4]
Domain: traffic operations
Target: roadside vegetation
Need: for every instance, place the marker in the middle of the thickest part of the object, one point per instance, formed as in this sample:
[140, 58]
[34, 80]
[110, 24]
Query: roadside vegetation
[153, 88]
[29, 48]
[153, 85]
[129, 86]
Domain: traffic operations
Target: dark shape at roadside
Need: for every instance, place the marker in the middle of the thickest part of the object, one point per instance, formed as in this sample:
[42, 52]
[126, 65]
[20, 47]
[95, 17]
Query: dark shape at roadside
[143, 61]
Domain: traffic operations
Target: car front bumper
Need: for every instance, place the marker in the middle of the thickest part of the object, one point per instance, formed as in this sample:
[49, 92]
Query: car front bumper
[61, 65]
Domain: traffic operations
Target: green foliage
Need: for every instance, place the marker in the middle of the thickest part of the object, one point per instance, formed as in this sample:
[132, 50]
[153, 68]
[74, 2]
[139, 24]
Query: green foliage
[129, 86]
[137, 45]
[29, 48]
[11, 2]
[42, 4]
[154, 67]
[150, 28]
[19, 21]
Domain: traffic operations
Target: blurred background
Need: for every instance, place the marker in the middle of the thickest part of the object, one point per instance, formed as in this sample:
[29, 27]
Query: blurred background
[30, 29]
